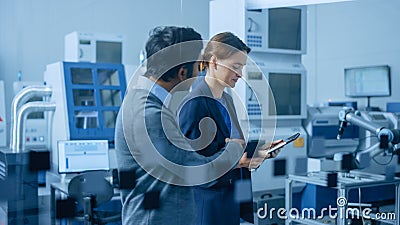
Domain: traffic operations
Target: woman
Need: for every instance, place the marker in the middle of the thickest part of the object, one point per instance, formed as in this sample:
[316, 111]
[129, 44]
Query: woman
[224, 58]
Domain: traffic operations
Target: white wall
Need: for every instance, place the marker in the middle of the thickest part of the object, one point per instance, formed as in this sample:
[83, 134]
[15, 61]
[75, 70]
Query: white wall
[32, 31]
[349, 34]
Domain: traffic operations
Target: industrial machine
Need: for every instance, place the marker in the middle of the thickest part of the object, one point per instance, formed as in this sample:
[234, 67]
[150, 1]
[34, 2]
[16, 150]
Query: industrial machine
[88, 97]
[322, 124]
[94, 47]
[18, 166]
[348, 188]
[373, 122]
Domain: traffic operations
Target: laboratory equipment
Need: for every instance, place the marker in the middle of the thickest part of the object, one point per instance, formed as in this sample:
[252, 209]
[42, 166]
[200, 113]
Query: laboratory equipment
[73, 156]
[275, 30]
[36, 123]
[322, 124]
[387, 137]
[39, 91]
[286, 97]
[16, 174]
[88, 97]
[331, 203]
[378, 161]
[94, 47]
[3, 123]
[372, 81]
[91, 190]
[273, 91]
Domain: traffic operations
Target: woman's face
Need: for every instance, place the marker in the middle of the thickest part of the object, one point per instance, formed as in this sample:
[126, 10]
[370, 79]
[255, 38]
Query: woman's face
[228, 71]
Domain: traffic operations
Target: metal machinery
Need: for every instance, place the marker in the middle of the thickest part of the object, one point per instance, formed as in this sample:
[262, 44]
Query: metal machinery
[379, 162]
[322, 126]
[3, 124]
[36, 123]
[349, 190]
[273, 93]
[18, 175]
[88, 97]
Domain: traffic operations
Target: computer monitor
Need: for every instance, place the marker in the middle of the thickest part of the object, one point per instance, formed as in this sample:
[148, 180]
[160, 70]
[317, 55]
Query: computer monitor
[82, 155]
[371, 81]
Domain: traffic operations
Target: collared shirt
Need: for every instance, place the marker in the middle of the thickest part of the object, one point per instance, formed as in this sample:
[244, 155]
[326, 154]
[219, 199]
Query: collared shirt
[163, 95]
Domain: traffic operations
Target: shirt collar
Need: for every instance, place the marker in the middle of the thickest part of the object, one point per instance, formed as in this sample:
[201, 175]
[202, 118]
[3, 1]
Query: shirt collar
[163, 95]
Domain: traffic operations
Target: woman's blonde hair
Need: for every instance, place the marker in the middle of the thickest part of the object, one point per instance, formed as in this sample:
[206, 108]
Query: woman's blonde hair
[223, 46]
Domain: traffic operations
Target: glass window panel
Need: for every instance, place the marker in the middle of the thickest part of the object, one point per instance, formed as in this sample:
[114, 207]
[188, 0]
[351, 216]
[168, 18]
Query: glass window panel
[86, 119]
[109, 118]
[84, 97]
[110, 97]
[108, 77]
[81, 76]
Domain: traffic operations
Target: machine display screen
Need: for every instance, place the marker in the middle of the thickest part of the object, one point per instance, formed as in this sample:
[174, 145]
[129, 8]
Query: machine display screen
[284, 30]
[82, 155]
[109, 52]
[367, 81]
[286, 89]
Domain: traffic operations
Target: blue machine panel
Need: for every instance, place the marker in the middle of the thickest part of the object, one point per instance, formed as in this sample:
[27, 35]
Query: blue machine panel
[94, 93]
[393, 107]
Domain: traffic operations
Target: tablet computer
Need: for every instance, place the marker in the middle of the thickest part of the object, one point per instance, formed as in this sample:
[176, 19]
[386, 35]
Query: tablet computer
[285, 142]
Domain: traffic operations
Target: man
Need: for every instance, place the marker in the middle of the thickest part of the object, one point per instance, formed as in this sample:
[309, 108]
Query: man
[149, 143]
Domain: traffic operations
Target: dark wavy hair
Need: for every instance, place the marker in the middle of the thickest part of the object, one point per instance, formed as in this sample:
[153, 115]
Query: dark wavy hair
[163, 37]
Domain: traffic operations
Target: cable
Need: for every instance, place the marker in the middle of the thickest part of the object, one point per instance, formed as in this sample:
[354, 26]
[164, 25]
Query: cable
[383, 164]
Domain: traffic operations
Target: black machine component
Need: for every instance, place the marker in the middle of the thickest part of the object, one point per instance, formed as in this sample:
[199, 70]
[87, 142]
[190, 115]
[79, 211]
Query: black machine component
[20, 204]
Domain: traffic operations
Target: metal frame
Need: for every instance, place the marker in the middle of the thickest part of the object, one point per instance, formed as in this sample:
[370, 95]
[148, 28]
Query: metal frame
[344, 184]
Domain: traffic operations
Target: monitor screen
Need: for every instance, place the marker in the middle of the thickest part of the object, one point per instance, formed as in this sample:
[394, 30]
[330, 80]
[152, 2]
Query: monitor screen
[284, 30]
[82, 155]
[367, 81]
[286, 89]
